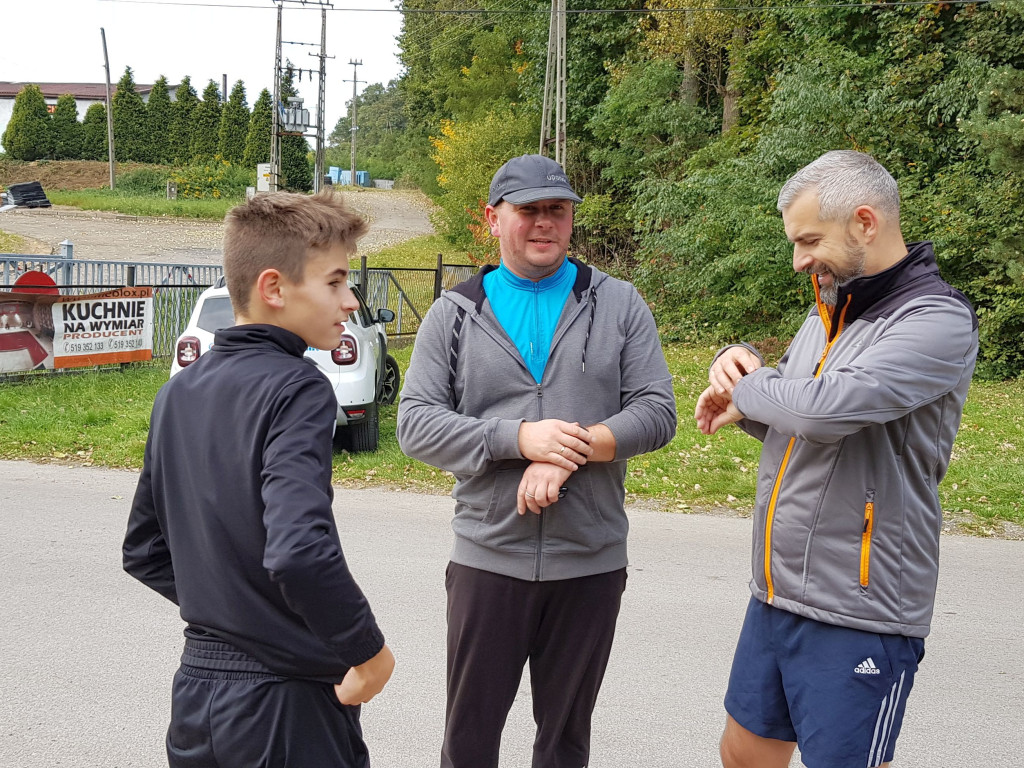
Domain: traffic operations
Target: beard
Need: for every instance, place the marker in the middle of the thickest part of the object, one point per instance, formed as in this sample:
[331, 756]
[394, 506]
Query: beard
[852, 268]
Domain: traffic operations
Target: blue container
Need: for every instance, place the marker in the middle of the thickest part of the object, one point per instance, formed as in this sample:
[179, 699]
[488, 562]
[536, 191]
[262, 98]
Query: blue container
[362, 178]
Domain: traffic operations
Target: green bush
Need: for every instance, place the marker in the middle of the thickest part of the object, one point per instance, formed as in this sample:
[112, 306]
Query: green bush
[143, 182]
[215, 179]
[27, 136]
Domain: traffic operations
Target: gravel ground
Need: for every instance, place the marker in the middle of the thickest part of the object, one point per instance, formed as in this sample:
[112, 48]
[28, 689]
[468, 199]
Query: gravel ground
[394, 216]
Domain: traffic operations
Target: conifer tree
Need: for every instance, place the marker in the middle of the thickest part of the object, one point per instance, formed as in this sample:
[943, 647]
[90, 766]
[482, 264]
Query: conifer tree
[234, 125]
[206, 125]
[261, 123]
[131, 137]
[65, 130]
[160, 119]
[181, 126]
[94, 133]
[295, 168]
[27, 136]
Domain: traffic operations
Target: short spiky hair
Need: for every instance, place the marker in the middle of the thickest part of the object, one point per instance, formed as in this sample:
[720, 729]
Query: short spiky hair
[277, 231]
[844, 180]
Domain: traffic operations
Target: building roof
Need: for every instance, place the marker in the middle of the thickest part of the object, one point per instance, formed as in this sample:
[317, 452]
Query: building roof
[89, 91]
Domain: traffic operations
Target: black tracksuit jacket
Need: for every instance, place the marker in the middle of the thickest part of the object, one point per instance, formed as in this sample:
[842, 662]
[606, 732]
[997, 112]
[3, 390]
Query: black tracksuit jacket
[232, 517]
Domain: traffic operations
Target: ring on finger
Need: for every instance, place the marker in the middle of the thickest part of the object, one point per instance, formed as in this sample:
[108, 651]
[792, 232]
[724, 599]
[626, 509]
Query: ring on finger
[530, 495]
[561, 451]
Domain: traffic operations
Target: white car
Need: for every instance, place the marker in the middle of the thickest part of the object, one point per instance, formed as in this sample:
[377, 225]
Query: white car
[363, 374]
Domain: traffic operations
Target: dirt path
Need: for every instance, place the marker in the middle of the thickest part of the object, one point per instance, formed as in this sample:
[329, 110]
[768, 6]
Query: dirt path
[394, 216]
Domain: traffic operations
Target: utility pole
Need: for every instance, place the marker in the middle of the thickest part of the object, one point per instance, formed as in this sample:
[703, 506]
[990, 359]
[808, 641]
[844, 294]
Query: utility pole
[110, 111]
[284, 122]
[318, 164]
[554, 85]
[275, 131]
[355, 125]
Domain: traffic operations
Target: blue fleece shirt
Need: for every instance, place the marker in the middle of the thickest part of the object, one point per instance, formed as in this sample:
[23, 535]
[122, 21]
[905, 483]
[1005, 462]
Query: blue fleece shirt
[529, 311]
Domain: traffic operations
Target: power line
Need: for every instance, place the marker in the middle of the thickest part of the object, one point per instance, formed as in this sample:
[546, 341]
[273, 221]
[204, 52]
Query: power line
[810, 8]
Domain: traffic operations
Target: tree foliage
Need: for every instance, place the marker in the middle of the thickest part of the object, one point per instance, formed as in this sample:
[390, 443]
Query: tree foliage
[65, 131]
[181, 126]
[380, 142]
[160, 119]
[684, 125]
[257, 138]
[205, 138]
[131, 134]
[27, 136]
[234, 125]
[94, 133]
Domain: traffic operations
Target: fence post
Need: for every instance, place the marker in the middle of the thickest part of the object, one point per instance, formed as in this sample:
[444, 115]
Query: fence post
[364, 278]
[130, 279]
[438, 274]
[67, 252]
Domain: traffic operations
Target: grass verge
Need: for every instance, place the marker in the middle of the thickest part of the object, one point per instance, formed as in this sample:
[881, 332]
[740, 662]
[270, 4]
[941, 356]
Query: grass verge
[11, 243]
[135, 205]
[101, 417]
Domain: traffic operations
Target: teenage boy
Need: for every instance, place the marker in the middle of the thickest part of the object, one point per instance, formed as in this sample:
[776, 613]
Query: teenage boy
[543, 375]
[232, 518]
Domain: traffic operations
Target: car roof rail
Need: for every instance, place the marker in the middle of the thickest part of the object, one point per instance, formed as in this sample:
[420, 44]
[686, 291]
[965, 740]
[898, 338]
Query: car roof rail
[221, 282]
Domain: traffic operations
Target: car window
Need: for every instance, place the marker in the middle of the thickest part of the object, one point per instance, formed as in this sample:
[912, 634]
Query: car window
[216, 314]
[365, 317]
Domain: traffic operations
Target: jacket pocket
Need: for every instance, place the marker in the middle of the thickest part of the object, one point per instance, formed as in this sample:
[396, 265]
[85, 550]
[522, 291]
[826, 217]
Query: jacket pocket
[490, 519]
[588, 519]
[865, 538]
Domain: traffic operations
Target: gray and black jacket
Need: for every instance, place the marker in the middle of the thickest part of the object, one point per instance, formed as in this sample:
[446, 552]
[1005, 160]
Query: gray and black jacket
[858, 421]
[468, 389]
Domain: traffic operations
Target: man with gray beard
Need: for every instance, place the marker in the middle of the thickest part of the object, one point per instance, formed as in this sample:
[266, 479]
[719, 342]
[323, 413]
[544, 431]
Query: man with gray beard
[857, 420]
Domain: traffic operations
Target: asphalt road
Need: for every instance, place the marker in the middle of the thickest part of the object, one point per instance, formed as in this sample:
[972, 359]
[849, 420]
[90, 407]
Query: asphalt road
[88, 653]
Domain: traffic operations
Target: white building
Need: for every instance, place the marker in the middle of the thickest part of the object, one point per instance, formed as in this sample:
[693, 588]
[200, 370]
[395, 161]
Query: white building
[86, 94]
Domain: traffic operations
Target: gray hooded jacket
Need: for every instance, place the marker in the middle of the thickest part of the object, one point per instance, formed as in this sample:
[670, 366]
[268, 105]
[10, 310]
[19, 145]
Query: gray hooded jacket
[858, 421]
[467, 391]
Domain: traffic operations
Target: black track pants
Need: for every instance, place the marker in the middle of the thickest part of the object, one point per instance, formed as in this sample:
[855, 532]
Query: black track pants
[242, 716]
[495, 625]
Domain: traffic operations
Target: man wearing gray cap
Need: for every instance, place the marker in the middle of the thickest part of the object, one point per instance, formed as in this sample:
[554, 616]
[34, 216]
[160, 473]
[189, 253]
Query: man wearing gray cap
[533, 383]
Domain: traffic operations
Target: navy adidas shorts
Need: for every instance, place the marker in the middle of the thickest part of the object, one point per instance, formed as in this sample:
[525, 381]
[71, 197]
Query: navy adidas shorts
[840, 693]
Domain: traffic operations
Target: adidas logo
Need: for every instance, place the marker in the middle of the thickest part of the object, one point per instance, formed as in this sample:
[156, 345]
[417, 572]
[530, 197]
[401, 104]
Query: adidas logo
[867, 667]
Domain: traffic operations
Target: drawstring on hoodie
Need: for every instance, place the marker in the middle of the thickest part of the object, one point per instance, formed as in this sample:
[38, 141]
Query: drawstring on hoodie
[590, 325]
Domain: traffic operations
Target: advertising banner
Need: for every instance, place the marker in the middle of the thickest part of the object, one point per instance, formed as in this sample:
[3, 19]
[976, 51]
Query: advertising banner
[42, 330]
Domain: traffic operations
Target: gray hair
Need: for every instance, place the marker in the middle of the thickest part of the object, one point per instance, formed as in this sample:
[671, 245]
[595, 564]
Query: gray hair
[844, 180]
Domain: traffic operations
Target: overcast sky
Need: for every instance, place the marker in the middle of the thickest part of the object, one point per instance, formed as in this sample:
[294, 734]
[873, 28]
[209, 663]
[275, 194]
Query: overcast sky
[59, 41]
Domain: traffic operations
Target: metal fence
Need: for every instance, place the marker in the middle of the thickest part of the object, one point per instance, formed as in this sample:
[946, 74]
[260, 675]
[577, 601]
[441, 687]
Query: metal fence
[175, 286]
[407, 292]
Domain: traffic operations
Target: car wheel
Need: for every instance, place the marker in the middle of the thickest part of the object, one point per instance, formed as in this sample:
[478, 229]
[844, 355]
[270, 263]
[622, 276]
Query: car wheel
[392, 382]
[364, 435]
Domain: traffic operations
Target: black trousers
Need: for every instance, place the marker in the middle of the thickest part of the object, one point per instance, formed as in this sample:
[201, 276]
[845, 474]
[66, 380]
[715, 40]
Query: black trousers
[495, 625]
[228, 711]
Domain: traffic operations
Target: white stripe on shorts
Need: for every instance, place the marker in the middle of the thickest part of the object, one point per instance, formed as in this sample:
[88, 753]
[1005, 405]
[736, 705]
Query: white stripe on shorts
[884, 724]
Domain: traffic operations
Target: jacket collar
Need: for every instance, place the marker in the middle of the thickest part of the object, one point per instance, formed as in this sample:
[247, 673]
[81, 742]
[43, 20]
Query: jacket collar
[473, 289]
[859, 296]
[242, 337]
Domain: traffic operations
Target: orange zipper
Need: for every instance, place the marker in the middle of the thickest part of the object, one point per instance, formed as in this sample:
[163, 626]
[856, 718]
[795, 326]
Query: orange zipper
[865, 542]
[773, 501]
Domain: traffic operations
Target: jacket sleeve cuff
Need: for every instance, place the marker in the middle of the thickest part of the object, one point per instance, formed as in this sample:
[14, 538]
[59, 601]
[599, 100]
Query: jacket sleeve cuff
[627, 434]
[502, 438]
[364, 649]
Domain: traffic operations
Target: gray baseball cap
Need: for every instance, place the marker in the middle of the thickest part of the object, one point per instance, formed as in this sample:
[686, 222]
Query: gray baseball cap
[529, 178]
